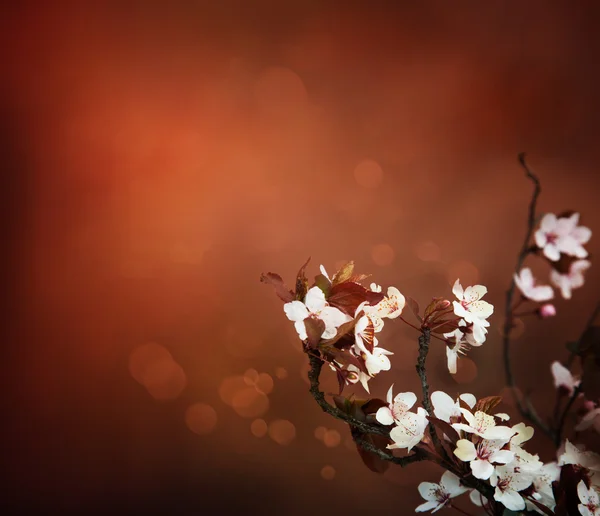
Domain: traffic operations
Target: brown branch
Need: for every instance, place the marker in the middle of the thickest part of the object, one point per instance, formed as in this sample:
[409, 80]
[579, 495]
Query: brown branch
[525, 408]
[563, 418]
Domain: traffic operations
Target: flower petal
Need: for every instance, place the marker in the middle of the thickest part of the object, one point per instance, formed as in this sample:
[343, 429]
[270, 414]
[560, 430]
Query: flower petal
[457, 290]
[451, 483]
[481, 469]
[465, 450]
[428, 491]
[407, 398]
[384, 416]
[295, 311]
[424, 507]
[315, 300]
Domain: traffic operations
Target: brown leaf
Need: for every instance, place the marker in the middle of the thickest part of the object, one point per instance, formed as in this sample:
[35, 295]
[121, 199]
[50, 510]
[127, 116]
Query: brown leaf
[343, 357]
[487, 404]
[441, 326]
[414, 306]
[344, 274]
[342, 403]
[342, 330]
[302, 282]
[445, 428]
[373, 405]
[275, 280]
[357, 278]
[348, 296]
[323, 283]
[372, 461]
[314, 329]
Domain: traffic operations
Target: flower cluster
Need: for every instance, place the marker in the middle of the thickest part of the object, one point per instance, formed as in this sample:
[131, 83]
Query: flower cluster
[560, 240]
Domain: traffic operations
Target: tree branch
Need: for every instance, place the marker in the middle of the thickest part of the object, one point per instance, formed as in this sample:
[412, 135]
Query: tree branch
[525, 408]
[421, 371]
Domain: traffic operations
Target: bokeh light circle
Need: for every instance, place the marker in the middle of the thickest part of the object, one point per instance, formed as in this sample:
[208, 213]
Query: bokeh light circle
[328, 472]
[201, 418]
[382, 254]
[282, 431]
[259, 428]
[368, 173]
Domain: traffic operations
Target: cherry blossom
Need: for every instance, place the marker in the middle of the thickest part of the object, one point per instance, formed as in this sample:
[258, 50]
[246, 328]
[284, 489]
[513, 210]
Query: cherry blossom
[590, 418]
[315, 306]
[563, 379]
[529, 288]
[356, 375]
[452, 351]
[571, 454]
[508, 481]
[573, 279]
[542, 487]
[483, 455]
[447, 409]
[409, 431]
[470, 307]
[562, 235]
[397, 407]
[590, 502]
[389, 307]
[439, 495]
[483, 425]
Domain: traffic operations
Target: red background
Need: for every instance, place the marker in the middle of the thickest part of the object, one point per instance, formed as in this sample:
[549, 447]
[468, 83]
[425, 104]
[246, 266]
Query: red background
[159, 156]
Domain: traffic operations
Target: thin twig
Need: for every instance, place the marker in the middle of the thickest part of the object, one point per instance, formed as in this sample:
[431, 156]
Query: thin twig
[525, 409]
[421, 371]
[459, 509]
[563, 418]
[416, 455]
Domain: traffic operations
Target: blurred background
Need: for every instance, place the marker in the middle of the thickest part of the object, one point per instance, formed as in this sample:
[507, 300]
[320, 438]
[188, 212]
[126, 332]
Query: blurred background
[159, 156]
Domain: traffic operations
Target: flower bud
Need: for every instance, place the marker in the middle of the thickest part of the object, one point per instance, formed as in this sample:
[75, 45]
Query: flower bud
[547, 310]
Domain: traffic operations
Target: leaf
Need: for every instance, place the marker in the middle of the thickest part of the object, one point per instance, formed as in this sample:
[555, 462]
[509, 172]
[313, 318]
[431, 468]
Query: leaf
[373, 405]
[445, 428]
[414, 306]
[441, 326]
[487, 404]
[348, 296]
[344, 274]
[275, 280]
[302, 282]
[342, 403]
[372, 461]
[342, 330]
[323, 283]
[359, 277]
[314, 329]
[343, 357]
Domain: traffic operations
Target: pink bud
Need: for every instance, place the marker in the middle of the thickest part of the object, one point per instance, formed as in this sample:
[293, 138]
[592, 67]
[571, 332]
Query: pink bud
[547, 310]
[588, 406]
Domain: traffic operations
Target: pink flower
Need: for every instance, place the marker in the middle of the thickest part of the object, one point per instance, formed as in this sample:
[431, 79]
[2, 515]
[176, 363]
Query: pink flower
[547, 310]
[573, 279]
[563, 379]
[562, 235]
[527, 285]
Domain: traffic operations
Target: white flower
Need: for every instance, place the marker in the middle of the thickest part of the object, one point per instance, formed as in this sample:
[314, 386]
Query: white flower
[508, 482]
[452, 352]
[375, 287]
[563, 378]
[573, 279]
[358, 376]
[447, 409]
[542, 487]
[397, 407]
[590, 502]
[315, 306]
[527, 285]
[483, 455]
[409, 431]
[377, 361]
[438, 495]
[470, 307]
[562, 235]
[591, 418]
[573, 455]
[389, 307]
[483, 425]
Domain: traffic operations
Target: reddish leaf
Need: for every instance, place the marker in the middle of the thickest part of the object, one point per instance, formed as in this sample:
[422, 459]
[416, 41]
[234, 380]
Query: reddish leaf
[372, 461]
[302, 282]
[442, 327]
[344, 274]
[343, 357]
[373, 405]
[342, 330]
[414, 306]
[342, 403]
[487, 404]
[275, 280]
[357, 278]
[445, 428]
[314, 329]
[348, 296]
[437, 303]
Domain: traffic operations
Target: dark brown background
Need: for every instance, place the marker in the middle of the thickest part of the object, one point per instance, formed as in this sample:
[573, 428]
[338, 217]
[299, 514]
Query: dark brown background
[159, 156]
